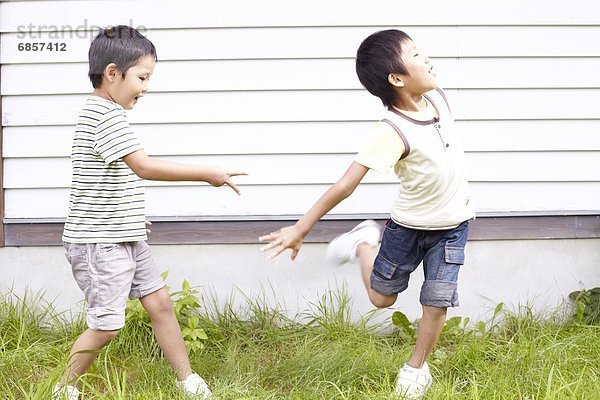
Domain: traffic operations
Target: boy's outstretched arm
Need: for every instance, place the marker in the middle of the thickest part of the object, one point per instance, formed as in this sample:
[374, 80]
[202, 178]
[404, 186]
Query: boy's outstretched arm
[160, 170]
[291, 237]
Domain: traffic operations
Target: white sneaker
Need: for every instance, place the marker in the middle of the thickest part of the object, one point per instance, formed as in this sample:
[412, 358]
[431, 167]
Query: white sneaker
[343, 248]
[194, 387]
[65, 392]
[412, 383]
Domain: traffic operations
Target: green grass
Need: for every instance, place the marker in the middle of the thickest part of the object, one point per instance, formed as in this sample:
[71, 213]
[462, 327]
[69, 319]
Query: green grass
[256, 352]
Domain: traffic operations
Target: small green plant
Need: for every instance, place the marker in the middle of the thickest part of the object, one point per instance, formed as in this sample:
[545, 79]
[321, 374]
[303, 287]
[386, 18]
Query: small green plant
[186, 305]
[401, 321]
[587, 305]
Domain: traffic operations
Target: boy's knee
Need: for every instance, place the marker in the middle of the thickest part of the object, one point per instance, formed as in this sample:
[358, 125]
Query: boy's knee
[381, 301]
[435, 312]
[164, 307]
[105, 336]
[110, 335]
[157, 304]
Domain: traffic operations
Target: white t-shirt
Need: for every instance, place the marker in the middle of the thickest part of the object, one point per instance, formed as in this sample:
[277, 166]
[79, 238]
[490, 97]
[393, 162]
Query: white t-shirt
[428, 158]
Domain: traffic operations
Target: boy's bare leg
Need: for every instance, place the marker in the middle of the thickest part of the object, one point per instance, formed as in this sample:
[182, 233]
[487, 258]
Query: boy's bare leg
[167, 331]
[366, 256]
[430, 328]
[84, 352]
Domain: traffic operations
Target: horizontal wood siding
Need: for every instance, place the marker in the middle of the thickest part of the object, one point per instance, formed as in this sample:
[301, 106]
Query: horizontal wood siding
[269, 87]
[578, 166]
[308, 138]
[306, 105]
[277, 200]
[313, 13]
[310, 74]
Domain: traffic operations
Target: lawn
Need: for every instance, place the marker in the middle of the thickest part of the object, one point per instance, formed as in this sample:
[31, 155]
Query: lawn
[257, 352]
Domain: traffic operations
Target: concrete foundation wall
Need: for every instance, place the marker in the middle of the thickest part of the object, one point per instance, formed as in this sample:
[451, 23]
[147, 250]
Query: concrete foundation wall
[540, 273]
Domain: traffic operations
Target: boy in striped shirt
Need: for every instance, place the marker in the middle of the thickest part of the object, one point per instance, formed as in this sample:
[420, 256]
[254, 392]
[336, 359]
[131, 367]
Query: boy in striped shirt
[105, 231]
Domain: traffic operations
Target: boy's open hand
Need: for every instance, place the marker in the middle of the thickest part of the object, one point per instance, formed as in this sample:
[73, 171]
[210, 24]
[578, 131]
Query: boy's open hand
[285, 238]
[222, 177]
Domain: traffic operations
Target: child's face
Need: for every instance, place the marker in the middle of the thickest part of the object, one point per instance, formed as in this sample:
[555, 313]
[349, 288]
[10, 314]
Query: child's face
[127, 89]
[421, 77]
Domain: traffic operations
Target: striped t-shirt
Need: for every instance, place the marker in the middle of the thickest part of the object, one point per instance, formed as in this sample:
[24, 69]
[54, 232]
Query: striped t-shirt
[107, 198]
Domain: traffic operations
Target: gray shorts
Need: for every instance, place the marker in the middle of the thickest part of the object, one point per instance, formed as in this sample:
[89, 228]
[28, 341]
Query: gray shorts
[109, 273]
[403, 249]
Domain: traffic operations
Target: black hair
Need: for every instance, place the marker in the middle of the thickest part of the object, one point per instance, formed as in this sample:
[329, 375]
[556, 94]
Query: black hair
[121, 45]
[378, 56]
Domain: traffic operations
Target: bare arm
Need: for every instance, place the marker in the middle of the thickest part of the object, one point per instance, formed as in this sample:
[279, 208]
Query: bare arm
[291, 237]
[161, 170]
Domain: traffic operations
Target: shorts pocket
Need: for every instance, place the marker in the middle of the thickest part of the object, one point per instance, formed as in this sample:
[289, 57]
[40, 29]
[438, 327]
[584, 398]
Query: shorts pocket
[79, 266]
[383, 267]
[106, 248]
[454, 255]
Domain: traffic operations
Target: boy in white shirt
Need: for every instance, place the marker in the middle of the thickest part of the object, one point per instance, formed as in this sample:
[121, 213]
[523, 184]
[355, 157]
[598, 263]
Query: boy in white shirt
[429, 220]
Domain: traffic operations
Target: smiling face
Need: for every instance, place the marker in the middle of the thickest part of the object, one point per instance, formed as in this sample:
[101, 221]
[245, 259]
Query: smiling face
[126, 89]
[420, 77]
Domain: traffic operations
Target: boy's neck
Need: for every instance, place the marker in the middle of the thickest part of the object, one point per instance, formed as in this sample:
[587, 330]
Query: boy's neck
[426, 114]
[412, 103]
[98, 92]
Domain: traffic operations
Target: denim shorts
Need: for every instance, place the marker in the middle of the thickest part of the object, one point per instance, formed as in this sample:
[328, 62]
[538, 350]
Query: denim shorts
[109, 273]
[402, 250]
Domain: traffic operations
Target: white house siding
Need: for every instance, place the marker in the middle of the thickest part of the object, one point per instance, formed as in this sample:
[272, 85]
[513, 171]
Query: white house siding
[269, 87]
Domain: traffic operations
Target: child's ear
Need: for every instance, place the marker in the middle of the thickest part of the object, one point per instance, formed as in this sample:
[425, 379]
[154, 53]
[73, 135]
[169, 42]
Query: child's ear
[395, 80]
[111, 72]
